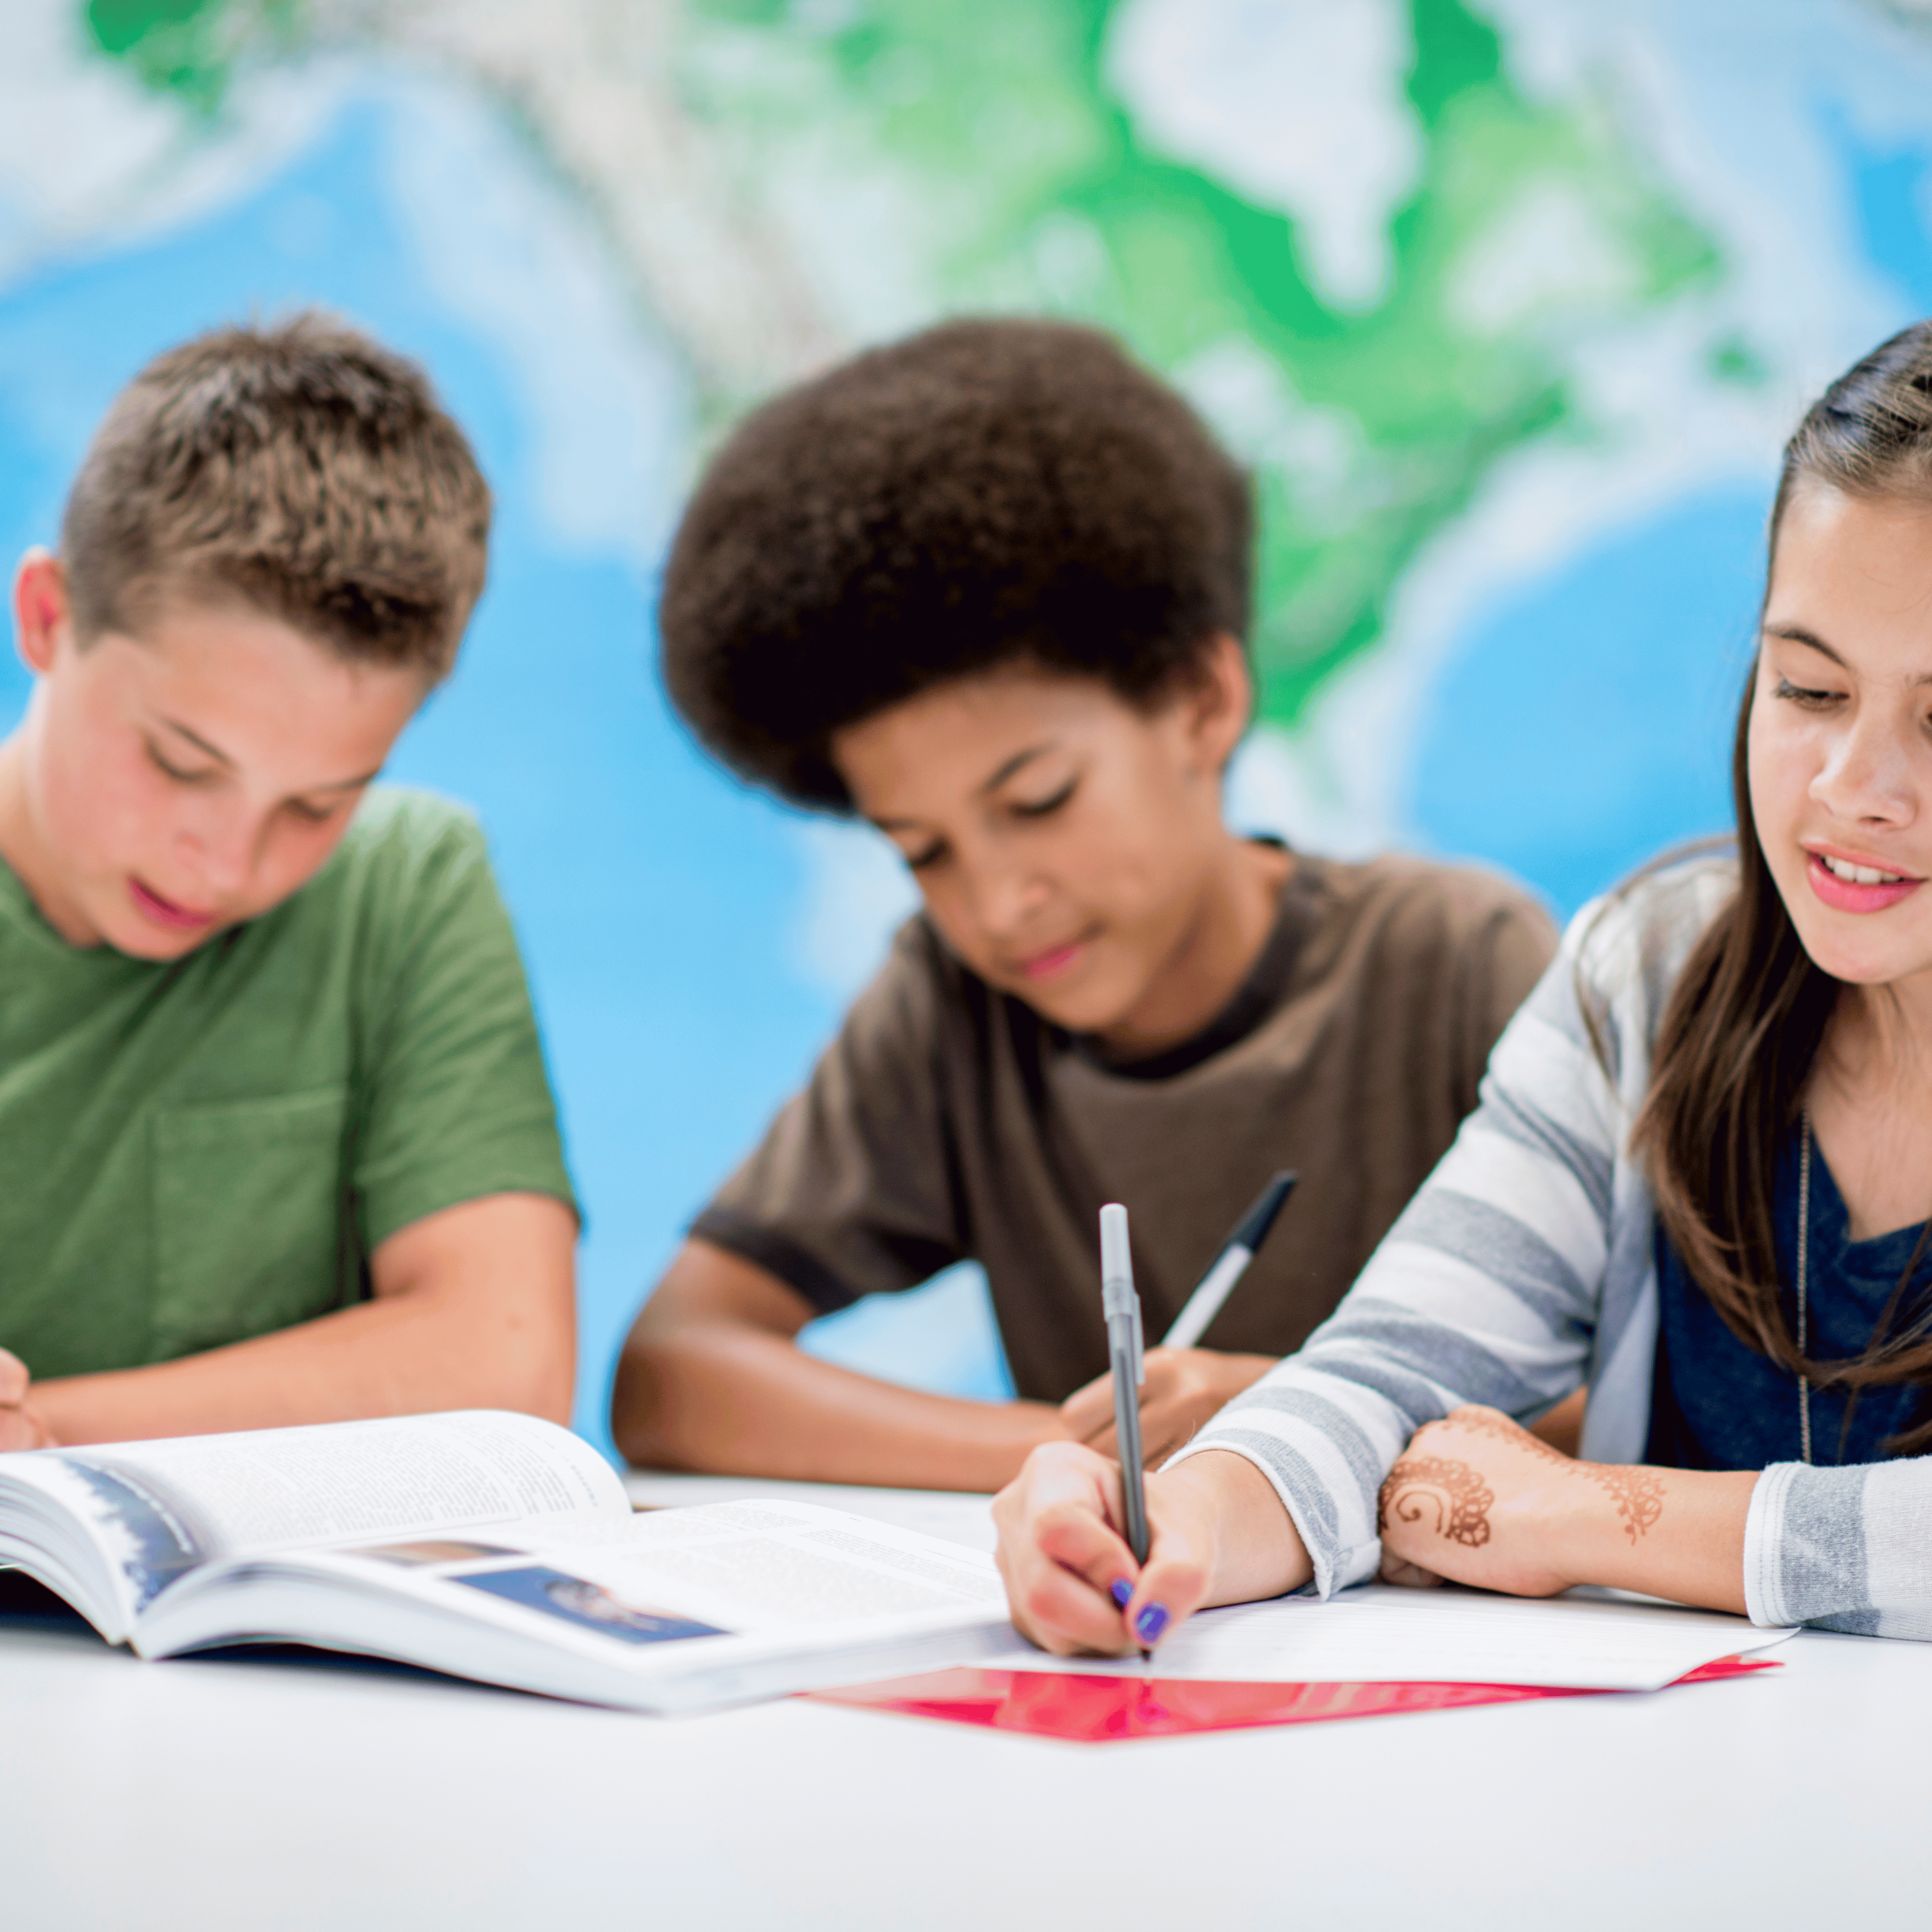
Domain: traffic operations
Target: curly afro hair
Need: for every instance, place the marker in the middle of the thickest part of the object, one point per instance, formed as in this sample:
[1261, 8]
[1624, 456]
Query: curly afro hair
[985, 493]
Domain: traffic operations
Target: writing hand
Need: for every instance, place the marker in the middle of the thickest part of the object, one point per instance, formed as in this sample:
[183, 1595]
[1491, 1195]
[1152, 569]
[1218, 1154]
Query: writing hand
[20, 1426]
[1478, 1500]
[1185, 1388]
[1217, 1534]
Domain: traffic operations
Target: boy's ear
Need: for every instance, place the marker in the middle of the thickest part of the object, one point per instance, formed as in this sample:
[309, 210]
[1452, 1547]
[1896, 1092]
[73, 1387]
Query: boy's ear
[43, 616]
[1220, 696]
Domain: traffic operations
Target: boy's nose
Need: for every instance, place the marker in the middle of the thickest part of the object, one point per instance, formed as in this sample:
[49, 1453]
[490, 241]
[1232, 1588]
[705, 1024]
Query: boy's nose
[1006, 900]
[223, 854]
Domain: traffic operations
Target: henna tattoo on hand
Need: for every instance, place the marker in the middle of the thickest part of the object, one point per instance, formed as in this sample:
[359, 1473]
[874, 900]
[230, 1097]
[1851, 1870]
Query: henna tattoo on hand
[1461, 1497]
[1637, 1493]
[1500, 1429]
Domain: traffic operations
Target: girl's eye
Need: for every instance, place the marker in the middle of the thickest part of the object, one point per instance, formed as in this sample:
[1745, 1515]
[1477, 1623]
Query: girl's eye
[926, 856]
[1042, 808]
[311, 815]
[1810, 700]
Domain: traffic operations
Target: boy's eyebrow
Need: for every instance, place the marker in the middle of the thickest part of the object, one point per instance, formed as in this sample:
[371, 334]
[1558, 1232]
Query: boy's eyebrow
[1013, 765]
[195, 739]
[221, 758]
[991, 785]
[345, 784]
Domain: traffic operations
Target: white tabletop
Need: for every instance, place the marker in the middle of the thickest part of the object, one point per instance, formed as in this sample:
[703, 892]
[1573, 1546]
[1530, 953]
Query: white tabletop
[219, 1793]
[958, 1518]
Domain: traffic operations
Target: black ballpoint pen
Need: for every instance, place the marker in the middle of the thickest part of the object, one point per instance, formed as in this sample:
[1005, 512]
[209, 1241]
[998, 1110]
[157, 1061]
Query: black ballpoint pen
[1230, 1264]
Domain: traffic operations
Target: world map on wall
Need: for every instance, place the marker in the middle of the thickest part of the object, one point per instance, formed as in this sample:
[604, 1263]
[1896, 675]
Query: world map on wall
[1507, 305]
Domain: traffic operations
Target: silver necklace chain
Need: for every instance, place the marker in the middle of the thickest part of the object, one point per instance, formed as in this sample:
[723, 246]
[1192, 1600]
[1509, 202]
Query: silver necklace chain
[1804, 1247]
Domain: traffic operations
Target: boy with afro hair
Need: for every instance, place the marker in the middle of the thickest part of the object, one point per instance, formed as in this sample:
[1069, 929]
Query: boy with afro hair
[989, 589]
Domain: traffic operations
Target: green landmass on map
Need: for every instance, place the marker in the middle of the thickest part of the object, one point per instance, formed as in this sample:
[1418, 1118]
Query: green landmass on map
[184, 47]
[1021, 181]
[1002, 111]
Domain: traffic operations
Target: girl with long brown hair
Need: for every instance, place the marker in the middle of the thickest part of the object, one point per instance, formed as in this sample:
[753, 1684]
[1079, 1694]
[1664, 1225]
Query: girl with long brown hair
[1697, 1185]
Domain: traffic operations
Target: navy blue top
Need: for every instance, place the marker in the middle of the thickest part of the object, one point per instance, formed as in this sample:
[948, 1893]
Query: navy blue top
[1717, 1404]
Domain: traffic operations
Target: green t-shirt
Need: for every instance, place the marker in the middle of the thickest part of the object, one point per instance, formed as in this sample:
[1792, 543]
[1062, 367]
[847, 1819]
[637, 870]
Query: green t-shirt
[196, 1152]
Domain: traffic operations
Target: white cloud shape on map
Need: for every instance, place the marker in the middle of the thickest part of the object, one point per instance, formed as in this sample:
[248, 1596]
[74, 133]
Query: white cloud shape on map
[1297, 104]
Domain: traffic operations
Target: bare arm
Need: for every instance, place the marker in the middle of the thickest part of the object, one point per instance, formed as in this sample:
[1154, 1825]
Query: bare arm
[1474, 1499]
[1479, 1500]
[474, 1307]
[711, 1378]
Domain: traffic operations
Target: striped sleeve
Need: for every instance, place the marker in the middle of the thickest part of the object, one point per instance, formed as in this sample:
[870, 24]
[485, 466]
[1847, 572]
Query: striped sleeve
[1486, 1290]
[1845, 1548]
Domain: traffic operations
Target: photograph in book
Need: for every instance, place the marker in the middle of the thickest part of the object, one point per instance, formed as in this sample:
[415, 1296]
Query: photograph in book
[489, 1546]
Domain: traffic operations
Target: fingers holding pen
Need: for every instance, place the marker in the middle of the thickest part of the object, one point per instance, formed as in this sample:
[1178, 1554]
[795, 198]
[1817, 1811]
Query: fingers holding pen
[1062, 1553]
[1071, 1582]
[1174, 1583]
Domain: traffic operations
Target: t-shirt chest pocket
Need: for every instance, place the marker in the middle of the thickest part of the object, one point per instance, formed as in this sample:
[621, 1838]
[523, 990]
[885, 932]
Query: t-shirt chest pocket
[247, 1216]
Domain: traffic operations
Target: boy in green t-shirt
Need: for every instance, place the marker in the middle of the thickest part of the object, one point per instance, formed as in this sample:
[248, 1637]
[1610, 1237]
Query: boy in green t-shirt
[277, 1140]
[989, 589]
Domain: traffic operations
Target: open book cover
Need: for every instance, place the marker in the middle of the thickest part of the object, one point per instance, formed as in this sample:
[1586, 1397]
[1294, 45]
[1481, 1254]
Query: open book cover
[490, 1546]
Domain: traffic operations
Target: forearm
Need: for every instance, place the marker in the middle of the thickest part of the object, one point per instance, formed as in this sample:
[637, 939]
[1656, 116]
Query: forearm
[738, 1400]
[474, 1308]
[392, 1357]
[1258, 1551]
[1674, 1533]
[1478, 1499]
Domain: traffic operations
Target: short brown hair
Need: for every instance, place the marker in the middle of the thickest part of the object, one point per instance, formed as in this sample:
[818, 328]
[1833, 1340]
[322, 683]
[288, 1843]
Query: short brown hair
[985, 493]
[299, 467]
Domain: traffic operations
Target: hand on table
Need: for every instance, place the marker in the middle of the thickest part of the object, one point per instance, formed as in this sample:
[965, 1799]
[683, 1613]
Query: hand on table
[1217, 1534]
[1476, 1499]
[20, 1426]
[1184, 1387]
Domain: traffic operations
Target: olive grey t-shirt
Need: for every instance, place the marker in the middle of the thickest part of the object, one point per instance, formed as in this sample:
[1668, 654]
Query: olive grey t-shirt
[948, 1121]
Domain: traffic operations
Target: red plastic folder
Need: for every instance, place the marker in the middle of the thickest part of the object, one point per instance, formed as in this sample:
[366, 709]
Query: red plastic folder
[1107, 1710]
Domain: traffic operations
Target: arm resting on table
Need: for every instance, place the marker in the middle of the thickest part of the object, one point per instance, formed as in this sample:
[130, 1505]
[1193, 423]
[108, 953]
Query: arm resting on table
[711, 1378]
[474, 1307]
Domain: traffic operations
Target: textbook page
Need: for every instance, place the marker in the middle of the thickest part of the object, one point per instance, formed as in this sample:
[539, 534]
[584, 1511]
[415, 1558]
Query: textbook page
[159, 1509]
[788, 1567]
[675, 1611]
[1382, 1633]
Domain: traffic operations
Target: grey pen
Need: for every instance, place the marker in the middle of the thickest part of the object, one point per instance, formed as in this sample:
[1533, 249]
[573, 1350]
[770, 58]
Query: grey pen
[1123, 1307]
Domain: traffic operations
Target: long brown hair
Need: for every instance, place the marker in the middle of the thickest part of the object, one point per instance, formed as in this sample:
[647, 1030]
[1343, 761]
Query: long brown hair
[1743, 1022]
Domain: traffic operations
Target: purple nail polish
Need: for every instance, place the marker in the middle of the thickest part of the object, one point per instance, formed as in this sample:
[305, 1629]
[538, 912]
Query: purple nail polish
[1120, 1589]
[1151, 1621]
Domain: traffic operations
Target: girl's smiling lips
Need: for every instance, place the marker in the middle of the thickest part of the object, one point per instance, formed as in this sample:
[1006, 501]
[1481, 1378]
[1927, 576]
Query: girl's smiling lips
[1844, 895]
[165, 912]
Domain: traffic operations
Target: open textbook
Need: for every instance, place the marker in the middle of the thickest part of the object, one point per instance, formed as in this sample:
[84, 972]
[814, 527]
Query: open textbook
[1586, 1639]
[490, 1546]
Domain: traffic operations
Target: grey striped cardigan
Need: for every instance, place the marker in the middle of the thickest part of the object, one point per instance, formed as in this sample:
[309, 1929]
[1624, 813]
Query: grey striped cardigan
[1524, 1267]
